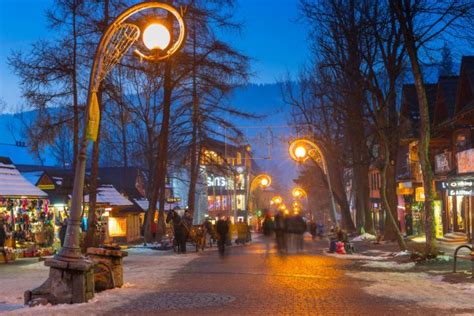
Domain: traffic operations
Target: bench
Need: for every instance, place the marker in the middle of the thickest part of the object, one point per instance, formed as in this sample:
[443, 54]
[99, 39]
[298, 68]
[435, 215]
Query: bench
[465, 257]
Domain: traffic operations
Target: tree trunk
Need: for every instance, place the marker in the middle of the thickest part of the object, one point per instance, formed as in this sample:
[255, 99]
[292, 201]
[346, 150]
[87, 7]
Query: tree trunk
[406, 25]
[194, 164]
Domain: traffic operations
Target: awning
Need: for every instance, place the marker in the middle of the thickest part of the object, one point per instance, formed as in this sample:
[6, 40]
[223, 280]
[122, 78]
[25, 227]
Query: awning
[107, 194]
[13, 184]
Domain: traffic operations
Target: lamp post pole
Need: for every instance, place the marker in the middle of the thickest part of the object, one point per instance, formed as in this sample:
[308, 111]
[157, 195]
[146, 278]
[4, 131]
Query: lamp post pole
[302, 149]
[71, 277]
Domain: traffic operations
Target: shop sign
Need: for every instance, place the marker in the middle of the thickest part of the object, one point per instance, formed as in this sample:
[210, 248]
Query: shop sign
[465, 161]
[458, 184]
[173, 200]
[461, 192]
[443, 162]
[420, 194]
[216, 181]
[46, 186]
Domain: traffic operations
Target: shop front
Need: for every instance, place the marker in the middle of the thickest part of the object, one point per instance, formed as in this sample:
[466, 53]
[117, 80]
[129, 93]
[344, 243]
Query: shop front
[458, 195]
[25, 212]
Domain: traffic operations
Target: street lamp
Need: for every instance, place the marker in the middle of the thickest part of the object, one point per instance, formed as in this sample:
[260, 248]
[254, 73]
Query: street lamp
[301, 150]
[298, 193]
[277, 200]
[262, 180]
[117, 39]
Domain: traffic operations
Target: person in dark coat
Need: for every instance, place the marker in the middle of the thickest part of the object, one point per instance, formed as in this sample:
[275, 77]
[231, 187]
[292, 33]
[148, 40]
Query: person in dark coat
[178, 229]
[3, 239]
[268, 227]
[62, 232]
[222, 228]
[280, 231]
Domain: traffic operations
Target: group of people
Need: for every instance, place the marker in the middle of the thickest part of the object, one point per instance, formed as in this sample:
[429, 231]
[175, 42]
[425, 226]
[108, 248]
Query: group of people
[287, 230]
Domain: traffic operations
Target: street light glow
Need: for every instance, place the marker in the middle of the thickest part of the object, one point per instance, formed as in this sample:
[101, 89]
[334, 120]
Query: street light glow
[156, 36]
[300, 152]
[264, 182]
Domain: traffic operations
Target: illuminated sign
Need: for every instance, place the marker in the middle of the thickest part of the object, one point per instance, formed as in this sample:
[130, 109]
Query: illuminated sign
[461, 192]
[458, 184]
[173, 200]
[465, 161]
[443, 162]
[46, 186]
[213, 181]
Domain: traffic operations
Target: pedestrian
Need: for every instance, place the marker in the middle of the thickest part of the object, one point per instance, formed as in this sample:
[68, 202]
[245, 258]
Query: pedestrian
[300, 230]
[179, 231]
[209, 231]
[62, 231]
[268, 228]
[3, 240]
[228, 241]
[280, 231]
[222, 228]
[320, 230]
[313, 229]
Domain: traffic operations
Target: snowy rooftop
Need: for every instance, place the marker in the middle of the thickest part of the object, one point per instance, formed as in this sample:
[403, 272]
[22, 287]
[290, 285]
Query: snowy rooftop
[107, 194]
[143, 203]
[13, 184]
[32, 176]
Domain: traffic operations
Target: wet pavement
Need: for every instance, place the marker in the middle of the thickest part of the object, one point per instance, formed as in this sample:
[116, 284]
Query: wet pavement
[248, 281]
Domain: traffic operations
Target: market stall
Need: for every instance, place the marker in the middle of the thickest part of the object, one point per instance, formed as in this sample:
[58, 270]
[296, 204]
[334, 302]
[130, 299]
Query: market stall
[25, 211]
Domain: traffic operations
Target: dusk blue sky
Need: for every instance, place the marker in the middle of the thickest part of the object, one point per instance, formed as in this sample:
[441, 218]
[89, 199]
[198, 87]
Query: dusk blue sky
[271, 36]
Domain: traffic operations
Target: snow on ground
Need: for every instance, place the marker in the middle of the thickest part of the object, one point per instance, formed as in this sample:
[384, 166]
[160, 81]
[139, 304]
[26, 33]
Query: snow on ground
[144, 271]
[421, 288]
[363, 237]
[355, 257]
[390, 265]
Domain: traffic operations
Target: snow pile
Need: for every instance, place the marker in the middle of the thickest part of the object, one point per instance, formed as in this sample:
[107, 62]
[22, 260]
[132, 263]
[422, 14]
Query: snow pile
[363, 237]
[400, 253]
[355, 257]
[420, 288]
[390, 265]
[144, 273]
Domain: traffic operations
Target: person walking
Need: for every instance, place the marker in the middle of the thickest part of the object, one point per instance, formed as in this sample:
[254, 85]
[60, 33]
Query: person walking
[62, 231]
[178, 229]
[300, 230]
[268, 228]
[280, 231]
[3, 240]
[222, 228]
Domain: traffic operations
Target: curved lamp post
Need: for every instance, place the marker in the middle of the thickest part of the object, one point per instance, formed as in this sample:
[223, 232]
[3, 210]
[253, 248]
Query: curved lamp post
[118, 38]
[298, 193]
[276, 200]
[71, 278]
[301, 150]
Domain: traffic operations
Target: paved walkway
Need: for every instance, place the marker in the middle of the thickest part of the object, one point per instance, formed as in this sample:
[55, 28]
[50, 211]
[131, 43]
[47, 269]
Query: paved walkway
[247, 281]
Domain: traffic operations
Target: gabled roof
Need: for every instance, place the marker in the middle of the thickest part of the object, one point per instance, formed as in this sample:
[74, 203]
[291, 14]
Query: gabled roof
[445, 99]
[409, 109]
[465, 94]
[13, 184]
[124, 179]
[107, 194]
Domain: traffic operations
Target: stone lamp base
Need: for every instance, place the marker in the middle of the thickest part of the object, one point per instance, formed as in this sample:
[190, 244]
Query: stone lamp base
[68, 282]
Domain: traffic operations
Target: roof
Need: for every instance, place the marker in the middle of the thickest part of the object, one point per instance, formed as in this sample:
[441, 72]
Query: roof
[445, 98]
[124, 179]
[13, 184]
[33, 176]
[143, 203]
[409, 110]
[107, 194]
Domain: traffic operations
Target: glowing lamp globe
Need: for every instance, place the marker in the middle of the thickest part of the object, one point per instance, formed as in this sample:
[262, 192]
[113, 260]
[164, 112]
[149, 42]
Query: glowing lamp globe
[156, 36]
[264, 182]
[300, 152]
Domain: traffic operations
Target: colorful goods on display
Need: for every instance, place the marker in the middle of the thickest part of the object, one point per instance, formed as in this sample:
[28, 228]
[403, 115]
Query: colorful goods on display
[30, 224]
